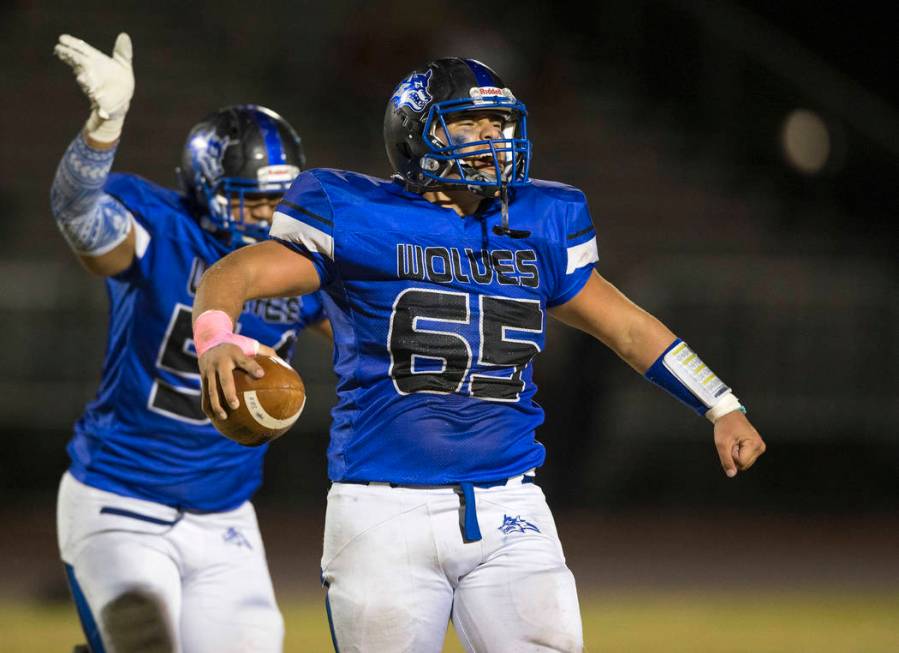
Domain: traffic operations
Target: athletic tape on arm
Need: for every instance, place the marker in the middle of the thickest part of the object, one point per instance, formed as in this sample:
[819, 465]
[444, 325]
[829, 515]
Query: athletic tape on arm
[682, 373]
[214, 328]
[92, 221]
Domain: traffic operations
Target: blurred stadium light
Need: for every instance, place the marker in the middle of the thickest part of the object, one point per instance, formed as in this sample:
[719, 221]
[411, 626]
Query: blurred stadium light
[806, 141]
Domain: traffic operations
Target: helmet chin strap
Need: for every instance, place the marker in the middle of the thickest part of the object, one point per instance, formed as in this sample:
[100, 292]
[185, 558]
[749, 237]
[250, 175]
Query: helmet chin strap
[474, 174]
[503, 229]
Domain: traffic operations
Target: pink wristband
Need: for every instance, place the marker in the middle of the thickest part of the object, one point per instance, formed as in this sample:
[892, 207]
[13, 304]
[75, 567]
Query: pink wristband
[215, 328]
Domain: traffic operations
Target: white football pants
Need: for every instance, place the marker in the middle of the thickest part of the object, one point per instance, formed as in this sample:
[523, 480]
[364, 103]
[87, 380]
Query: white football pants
[397, 570]
[151, 578]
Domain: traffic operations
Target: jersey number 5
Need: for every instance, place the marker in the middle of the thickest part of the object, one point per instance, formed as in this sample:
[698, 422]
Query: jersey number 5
[437, 359]
[178, 357]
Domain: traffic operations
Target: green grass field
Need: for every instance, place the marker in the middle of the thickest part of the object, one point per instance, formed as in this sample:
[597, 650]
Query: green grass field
[651, 622]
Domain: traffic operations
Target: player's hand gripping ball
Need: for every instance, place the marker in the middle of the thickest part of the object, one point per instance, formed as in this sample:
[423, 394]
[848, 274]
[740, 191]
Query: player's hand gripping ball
[269, 405]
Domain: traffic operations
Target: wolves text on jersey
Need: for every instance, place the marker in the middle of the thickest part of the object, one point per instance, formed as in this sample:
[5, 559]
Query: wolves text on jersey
[275, 311]
[446, 264]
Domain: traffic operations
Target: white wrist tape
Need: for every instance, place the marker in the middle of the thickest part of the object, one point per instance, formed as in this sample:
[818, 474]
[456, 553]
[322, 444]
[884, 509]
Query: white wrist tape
[724, 406]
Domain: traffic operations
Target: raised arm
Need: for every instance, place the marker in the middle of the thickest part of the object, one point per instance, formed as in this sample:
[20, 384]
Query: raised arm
[267, 269]
[97, 227]
[652, 349]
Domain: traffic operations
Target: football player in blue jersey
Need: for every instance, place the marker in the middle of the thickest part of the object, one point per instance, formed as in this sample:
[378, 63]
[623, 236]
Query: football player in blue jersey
[158, 537]
[438, 284]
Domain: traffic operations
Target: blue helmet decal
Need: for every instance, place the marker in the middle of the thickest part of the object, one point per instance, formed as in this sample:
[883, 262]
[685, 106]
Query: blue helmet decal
[413, 92]
[207, 149]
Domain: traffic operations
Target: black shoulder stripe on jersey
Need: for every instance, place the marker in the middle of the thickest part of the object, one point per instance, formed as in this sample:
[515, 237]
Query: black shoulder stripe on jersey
[314, 216]
[580, 233]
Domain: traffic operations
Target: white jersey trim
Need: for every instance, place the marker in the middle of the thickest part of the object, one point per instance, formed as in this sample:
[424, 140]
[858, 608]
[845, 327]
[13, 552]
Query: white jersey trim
[141, 238]
[581, 255]
[295, 231]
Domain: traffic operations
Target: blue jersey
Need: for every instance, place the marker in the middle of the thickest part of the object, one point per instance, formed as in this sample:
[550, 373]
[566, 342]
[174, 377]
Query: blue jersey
[145, 435]
[436, 321]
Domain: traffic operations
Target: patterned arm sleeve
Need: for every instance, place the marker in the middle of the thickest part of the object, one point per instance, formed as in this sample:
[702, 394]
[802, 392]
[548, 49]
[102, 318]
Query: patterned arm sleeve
[92, 221]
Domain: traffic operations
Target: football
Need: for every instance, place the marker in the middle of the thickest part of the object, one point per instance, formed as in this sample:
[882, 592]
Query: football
[269, 406]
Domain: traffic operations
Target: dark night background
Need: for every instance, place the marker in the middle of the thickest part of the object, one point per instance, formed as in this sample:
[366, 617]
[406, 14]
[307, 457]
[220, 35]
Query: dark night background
[669, 115]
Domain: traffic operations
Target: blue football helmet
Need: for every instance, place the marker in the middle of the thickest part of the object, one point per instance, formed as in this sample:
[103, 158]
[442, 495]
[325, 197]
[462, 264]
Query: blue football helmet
[240, 152]
[429, 98]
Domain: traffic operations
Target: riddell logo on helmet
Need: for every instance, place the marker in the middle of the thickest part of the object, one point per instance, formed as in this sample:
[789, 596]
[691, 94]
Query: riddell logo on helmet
[489, 92]
[277, 173]
[486, 91]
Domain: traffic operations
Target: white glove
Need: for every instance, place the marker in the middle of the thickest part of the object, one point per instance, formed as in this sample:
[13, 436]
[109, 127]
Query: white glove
[107, 81]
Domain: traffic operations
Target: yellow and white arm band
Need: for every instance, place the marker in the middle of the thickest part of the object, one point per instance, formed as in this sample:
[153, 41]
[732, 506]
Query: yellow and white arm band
[682, 373]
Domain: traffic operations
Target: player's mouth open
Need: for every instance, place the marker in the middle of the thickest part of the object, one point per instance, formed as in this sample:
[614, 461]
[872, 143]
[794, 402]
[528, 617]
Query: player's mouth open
[482, 162]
